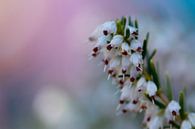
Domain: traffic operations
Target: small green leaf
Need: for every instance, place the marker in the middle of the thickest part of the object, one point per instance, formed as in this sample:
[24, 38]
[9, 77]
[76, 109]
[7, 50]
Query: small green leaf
[130, 21]
[169, 88]
[153, 54]
[159, 104]
[127, 33]
[145, 44]
[182, 104]
[136, 24]
[154, 73]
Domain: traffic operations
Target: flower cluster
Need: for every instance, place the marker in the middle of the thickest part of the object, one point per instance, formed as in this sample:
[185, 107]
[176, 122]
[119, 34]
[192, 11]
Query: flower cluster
[129, 65]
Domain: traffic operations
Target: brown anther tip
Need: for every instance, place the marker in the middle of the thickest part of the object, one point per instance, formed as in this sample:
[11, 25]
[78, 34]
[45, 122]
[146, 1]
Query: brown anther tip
[148, 119]
[135, 101]
[132, 79]
[124, 111]
[95, 49]
[135, 33]
[125, 53]
[121, 101]
[124, 71]
[109, 47]
[106, 62]
[174, 113]
[139, 49]
[105, 32]
[94, 54]
[121, 82]
[110, 71]
[139, 90]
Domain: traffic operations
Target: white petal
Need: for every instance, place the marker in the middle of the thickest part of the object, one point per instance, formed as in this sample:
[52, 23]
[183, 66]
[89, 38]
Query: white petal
[117, 40]
[131, 29]
[96, 33]
[125, 62]
[115, 62]
[191, 117]
[151, 88]
[136, 59]
[135, 44]
[172, 106]
[141, 84]
[131, 107]
[156, 123]
[110, 26]
[102, 40]
[186, 125]
[125, 93]
[125, 47]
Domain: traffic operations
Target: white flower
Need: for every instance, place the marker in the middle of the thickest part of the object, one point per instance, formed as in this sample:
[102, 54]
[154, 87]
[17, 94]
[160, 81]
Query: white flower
[150, 113]
[133, 74]
[132, 107]
[151, 88]
[115, 62]
[131, 29]
[110, 27]
[125, 46]
[141, 85]
[125, 93]
[136, 59]
[156, 123]
[191, 117]
[103, 29]
[186, 125]
[125, 63]
[116, 40]
[172, 110]
[136, 45]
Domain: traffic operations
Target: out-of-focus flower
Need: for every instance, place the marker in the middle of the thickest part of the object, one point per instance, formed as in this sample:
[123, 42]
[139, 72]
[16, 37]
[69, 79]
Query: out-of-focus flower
[186, 125]
[151, 88]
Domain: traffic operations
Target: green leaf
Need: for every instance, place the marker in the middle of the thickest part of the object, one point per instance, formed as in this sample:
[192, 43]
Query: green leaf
[130, 21]
[169, 88]
[136, 24]
[182, 104]
[153, 54]
[145, 44]
[159, 104]
[153, 72]
[127, 33]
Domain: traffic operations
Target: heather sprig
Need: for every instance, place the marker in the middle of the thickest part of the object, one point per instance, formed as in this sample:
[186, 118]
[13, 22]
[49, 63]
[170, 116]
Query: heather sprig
[131, 67]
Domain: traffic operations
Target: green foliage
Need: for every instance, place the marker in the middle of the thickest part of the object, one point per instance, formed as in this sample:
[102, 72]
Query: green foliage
[153, 72]
[169, 90]
[182, 104]
[145, 44]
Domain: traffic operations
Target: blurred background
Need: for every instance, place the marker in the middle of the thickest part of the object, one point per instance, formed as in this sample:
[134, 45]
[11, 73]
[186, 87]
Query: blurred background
[46, 80]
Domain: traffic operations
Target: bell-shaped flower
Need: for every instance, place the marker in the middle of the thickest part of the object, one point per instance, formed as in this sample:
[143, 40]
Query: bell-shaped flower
[116, 41]
[172, 110]
[186, 125]
[125, 49]
[141, 85]
[136, 59]
[191, 117]
[151, 88]
[156, 123]
[136, 45]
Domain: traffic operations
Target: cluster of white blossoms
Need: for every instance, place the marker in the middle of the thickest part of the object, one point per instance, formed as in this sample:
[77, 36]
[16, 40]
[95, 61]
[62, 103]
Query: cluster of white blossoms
[116, 42]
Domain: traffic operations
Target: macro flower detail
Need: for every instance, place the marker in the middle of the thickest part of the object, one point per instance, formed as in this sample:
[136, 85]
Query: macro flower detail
[172, 110]
[186, 125]
[151, 88]
[131, 67]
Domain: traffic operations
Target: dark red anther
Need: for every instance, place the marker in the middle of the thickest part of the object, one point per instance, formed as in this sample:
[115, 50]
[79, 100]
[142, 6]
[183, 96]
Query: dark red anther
[121, 82]
[94, 54]
[174, 113]
[124, 71]
[110, 71]
[106, 62]
[139, 49]
[143, 107]
[125, 53]
[124, 111]
[121, 101]
[139, 90]
[135, 33]
[95, 49]
[132, 79]
[105, 32]
[148, 119]
[135, 101]
[109, 47]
